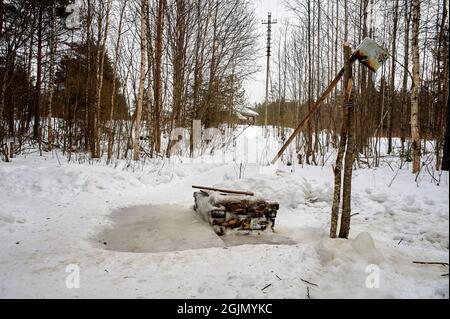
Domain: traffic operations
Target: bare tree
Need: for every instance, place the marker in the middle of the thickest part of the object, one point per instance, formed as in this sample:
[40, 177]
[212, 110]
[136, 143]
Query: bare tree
[158, 81]
[140, 98]
[415, 134]
[392, 80]
[113, 92]
[53, 46]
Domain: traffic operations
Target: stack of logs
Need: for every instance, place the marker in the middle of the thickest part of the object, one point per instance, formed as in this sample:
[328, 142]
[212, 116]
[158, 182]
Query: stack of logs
[226, 209]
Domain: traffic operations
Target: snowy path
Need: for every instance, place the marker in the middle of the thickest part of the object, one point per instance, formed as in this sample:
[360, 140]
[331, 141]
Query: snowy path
[50, 214]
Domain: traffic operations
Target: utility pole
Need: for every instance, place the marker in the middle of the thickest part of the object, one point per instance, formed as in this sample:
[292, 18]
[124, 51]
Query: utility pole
[269, 23]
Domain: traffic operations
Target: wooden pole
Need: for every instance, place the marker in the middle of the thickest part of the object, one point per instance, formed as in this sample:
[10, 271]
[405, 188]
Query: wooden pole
[269, 23]
[313, 110]
[223, 190]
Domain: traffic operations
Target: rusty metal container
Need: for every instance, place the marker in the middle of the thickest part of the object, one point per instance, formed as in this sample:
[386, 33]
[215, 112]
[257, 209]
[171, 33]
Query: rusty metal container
[371, 54]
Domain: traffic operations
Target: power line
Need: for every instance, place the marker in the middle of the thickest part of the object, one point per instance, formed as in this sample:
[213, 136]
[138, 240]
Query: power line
[269, 23]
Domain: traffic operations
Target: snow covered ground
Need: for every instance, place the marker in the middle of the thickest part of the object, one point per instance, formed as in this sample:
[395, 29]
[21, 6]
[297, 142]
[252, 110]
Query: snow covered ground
[54, 214]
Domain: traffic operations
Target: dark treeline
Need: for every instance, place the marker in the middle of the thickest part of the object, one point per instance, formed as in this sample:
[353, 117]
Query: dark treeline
[128, 72]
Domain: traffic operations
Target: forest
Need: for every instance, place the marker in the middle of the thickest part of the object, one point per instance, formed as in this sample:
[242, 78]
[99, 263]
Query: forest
[128, 71]
[131, 70]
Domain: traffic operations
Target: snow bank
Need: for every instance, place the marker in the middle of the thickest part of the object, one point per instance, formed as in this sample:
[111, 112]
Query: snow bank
[358, 250]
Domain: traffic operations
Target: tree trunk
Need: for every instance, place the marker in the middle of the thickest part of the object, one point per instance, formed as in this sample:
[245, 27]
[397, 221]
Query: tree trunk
[150, 69]
[392, 84]
[178, 67]
[441, 76]
[37, 105]
[446, 155]
[415, 135]
[338, 175]
[198, 68]
[137, 132]
[88, 127]
[53, 46]
[341, 149]
[349, 155]
[158, 71]
[113, 93]
[405, 78]
[309, 139]
[100, 69]
[1, 16]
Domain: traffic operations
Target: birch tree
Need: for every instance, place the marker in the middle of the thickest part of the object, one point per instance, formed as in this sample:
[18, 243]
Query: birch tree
[415, 134]
[140, 98]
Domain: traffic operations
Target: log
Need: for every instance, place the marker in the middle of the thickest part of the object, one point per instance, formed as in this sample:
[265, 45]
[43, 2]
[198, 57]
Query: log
[313, 109]
[223, 190]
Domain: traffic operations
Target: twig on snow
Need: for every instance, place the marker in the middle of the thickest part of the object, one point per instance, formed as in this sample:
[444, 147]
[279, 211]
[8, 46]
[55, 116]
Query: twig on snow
[431, 263]
[276, 275]
[266, 287]
[308, 282]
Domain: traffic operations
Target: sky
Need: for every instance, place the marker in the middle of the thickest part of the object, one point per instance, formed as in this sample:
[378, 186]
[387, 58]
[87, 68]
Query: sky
[256, 86]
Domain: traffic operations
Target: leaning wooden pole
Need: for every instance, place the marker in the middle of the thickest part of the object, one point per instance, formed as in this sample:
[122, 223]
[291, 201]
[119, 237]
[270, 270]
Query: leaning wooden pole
[229, 191]
[368, 53]
[314, 108]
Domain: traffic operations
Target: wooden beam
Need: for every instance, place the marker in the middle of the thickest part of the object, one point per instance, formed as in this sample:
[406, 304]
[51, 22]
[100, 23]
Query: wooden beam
[315, 107]
[223, 190]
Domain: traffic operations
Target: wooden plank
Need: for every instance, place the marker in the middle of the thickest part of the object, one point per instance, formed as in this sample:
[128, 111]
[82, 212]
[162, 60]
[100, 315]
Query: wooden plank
[314, 108]
[223, 190]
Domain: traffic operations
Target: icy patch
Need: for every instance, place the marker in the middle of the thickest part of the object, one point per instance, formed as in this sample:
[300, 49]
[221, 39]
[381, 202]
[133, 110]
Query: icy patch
[166, 228]
[144, 229]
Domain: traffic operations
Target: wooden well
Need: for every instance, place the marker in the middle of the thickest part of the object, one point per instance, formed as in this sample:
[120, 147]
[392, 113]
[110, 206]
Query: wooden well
[231, 211]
